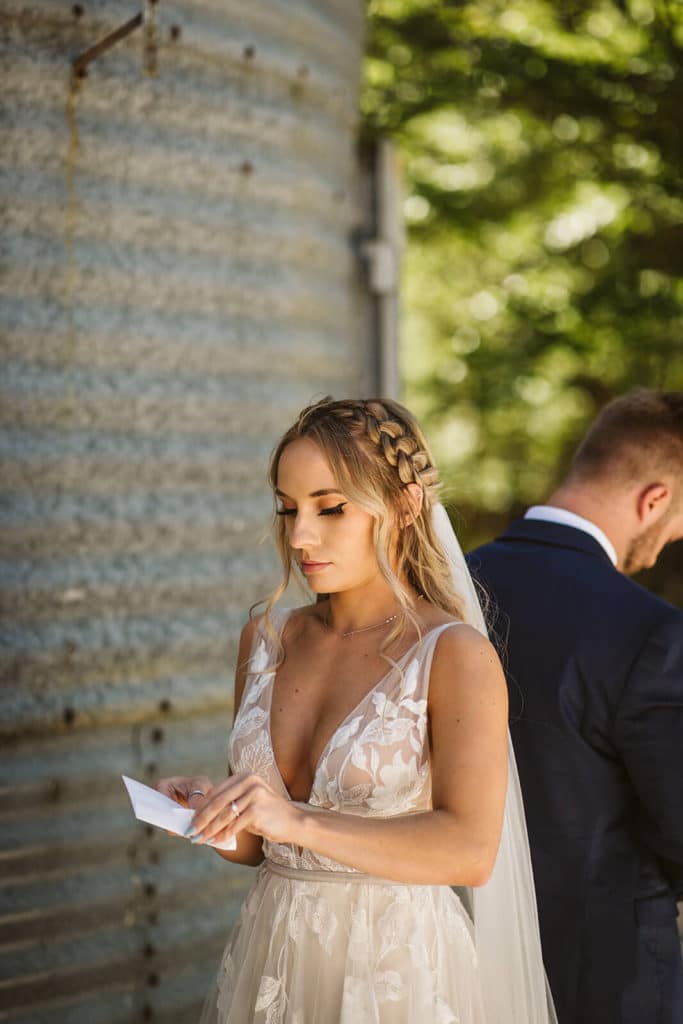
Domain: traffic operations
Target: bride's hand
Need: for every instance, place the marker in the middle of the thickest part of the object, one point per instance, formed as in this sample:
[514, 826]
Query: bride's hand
[185, 790]
[243, 802]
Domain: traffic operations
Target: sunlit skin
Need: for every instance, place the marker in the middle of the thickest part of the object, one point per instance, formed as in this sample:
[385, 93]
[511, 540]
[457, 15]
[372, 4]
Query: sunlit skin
[646, 547]
[325, 675]
[639, 517]
[331, 539]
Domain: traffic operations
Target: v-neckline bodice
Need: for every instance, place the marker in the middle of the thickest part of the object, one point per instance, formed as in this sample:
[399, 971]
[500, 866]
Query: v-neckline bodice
[355, 710]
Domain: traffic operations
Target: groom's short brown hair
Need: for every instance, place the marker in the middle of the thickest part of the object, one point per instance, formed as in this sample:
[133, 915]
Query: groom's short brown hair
[638, 435]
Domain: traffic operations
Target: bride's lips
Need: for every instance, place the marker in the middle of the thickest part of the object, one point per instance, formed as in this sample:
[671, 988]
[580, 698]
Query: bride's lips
[310, 567]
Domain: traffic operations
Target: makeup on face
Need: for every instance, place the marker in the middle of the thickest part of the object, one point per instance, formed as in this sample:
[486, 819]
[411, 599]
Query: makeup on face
[311, 568]
[330, 537]
[332, 510]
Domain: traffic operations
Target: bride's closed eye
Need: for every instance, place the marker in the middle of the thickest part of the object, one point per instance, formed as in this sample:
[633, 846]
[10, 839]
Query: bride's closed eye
[337, 510]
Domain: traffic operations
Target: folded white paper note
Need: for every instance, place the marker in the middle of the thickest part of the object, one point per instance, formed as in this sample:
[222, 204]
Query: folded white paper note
[157, 809]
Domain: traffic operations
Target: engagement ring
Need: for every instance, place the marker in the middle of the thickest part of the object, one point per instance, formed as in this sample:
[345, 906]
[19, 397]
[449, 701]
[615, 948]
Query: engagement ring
[235, 809]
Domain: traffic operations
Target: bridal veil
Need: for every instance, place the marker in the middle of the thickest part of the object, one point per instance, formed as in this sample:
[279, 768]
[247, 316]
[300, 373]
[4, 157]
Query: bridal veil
[506, 934]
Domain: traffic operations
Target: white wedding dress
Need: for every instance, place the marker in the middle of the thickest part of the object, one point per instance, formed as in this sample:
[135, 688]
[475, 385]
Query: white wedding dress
[318, 942]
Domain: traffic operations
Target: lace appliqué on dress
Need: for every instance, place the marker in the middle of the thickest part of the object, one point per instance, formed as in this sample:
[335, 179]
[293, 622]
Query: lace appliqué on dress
[351, 949]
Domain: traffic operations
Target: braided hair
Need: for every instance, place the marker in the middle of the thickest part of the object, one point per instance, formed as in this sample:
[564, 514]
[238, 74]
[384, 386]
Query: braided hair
[376, 449]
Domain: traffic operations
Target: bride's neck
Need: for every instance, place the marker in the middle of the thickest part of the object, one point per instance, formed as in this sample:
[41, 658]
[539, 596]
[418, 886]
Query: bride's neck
[356, 609]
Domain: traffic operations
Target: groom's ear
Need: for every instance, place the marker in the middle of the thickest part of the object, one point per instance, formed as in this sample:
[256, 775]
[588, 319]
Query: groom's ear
[414, 499]
[653, 502]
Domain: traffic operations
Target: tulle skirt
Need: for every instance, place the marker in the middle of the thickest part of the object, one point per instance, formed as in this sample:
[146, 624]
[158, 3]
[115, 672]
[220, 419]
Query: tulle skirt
[328, 947]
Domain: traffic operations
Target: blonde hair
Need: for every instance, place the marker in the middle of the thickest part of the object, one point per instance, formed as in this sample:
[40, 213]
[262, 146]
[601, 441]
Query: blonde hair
[375, 448]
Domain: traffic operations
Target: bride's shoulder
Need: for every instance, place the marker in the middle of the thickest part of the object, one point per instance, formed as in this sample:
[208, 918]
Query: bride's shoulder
[287, 624]
[461, 638]
[317, 611]
[465, 660]
[431, 618]
[458, 647]
[300, 622]
[453, 638]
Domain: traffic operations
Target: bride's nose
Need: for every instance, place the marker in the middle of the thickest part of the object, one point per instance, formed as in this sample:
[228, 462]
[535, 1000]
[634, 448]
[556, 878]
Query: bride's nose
[303, 532]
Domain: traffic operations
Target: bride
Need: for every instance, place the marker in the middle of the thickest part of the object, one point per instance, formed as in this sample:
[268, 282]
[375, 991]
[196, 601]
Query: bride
[370, 765]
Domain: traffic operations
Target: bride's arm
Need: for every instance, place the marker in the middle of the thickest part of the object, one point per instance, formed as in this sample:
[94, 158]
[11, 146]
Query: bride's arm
[456, 842]
[249, 847]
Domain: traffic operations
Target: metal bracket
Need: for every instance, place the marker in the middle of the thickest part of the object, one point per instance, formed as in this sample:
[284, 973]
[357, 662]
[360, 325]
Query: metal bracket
[147, 18]
[382, 265]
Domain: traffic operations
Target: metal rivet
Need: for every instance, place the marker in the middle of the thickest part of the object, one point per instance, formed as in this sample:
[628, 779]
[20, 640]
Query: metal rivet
[148, 951]
[164, 705]
[147, 1013]
[175, 32]
[153, 979]
[77, 11]
[150, 889]
[69, 716]
[249, 52]
[157, 735]
[246, 167]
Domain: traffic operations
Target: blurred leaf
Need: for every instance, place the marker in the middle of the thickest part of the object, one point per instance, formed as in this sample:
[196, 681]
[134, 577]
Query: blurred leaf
[542, 150]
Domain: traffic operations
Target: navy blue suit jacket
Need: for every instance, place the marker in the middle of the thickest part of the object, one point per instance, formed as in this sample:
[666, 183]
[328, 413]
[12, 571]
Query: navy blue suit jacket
[595, 673]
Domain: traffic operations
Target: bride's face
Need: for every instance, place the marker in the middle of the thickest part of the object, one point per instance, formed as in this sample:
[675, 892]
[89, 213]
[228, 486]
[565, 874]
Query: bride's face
[331, 538]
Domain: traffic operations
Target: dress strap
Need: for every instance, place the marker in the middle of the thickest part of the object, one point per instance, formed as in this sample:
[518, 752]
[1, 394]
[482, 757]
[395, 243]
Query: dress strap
[427, 648]
[264, 648]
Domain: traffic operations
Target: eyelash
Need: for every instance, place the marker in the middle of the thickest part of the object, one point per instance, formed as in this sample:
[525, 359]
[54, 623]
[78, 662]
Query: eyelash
[338, 510]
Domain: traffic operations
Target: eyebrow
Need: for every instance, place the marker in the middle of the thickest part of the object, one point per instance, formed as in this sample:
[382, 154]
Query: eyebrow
[314, 494]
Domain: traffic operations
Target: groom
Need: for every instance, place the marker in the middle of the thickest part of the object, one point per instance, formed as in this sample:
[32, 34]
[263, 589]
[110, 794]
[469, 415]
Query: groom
[595, 672]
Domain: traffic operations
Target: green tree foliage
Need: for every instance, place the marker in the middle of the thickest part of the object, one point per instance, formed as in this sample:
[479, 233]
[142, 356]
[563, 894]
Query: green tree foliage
[542, 148]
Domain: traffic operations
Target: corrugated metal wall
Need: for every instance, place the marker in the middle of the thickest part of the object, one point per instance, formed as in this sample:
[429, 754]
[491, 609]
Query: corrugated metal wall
[178, 280]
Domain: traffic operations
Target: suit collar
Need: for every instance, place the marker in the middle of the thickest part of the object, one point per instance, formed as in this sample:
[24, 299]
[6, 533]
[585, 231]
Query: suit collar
[554, 535]
[565, 517]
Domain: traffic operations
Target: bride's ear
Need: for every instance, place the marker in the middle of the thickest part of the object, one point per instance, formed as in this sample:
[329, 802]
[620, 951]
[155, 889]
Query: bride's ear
[415, 500]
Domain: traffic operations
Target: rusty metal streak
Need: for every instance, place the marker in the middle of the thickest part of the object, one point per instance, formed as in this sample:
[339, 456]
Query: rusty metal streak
[80, 64]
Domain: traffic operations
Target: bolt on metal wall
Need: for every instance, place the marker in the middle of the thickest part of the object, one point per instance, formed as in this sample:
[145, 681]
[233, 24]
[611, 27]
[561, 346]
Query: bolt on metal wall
[178, 281]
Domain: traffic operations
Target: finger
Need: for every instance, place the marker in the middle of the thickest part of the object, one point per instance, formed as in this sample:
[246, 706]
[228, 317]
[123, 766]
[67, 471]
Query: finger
[166, 787]
[219, 800]
[196, 796]
[175, 789]
[224, 818]
[244, 823]
[223, 810]
[187, 791]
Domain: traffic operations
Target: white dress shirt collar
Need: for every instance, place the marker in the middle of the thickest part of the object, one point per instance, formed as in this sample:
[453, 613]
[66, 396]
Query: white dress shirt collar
[550, 514]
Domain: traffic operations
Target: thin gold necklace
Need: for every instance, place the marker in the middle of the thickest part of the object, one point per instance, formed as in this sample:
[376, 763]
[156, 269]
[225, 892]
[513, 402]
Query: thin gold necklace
[363, 629]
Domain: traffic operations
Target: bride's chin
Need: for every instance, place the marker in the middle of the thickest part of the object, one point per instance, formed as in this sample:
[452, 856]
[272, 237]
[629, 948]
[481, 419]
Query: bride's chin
[317, 587]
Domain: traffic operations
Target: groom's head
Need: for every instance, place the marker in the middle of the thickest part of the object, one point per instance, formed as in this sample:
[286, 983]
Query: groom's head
[628, 472]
